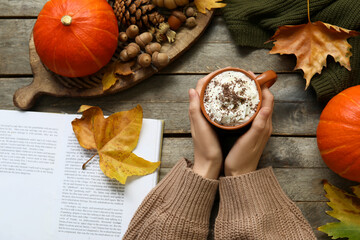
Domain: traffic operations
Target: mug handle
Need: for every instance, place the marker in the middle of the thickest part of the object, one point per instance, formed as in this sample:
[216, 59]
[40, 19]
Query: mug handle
[267, 78]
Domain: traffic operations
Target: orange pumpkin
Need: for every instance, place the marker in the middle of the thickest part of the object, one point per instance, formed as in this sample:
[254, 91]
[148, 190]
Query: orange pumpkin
[75, 38]
[338, 134]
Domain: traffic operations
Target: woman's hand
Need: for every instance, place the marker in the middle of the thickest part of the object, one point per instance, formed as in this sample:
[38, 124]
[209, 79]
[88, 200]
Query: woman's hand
[207, 150]
[244, 156]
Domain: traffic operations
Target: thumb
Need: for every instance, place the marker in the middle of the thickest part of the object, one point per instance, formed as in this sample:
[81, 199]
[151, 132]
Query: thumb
[194, 106]
[259, 124]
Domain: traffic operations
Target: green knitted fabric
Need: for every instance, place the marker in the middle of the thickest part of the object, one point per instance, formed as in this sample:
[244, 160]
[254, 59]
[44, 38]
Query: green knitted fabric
[252, 22]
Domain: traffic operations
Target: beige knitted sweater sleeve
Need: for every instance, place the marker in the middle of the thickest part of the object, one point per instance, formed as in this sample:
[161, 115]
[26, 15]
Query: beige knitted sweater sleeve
[178, 208]
[252, 206]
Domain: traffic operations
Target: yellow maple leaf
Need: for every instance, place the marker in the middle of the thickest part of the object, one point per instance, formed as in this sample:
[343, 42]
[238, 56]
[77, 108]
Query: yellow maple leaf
[312, 43]
[114, 138]
[202, 5]
[346, 208]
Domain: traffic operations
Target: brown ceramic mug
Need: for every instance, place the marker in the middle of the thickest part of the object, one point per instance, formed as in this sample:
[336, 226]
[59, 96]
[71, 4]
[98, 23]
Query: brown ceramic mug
[267, 78]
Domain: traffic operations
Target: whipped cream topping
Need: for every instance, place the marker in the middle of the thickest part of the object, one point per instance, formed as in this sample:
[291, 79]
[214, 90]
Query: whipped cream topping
[231, 98]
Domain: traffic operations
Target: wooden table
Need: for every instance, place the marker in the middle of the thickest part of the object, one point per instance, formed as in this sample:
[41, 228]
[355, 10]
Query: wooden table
[292, 150]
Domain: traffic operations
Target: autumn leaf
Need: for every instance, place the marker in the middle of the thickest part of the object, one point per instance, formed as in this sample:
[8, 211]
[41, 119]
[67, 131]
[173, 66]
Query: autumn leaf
[124, 68]
[312, 43]
[109, 78]
[114, 71]
[202, 5]
[346, 208]
[114, 138]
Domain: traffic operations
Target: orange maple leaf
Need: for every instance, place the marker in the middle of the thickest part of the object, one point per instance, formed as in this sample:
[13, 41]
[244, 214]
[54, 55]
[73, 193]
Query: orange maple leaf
[114, 138]
[202, 5]
[312, 43]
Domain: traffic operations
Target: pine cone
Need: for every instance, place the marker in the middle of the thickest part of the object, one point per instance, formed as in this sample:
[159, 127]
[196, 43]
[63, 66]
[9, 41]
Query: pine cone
[139, 12]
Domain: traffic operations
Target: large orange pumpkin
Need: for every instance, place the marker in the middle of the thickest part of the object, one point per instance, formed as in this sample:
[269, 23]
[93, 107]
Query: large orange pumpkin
[338, 134]
[75, 38]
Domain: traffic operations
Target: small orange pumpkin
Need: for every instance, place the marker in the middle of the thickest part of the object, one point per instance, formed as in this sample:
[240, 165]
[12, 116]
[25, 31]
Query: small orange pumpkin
[75, 38]
[338, 134]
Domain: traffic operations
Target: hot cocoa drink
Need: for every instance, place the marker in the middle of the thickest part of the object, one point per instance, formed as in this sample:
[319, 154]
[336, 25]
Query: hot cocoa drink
[231, 98]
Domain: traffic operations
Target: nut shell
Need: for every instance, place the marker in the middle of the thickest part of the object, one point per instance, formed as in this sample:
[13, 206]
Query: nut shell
[132, 31]
[160, 59]
[144, 59]
[153, 47]
[143, 39]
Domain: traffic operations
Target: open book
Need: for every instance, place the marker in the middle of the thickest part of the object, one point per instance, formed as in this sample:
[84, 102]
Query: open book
[45, 194]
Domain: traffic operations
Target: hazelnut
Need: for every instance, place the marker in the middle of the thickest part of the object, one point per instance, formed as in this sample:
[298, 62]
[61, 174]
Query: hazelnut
[160, 59]
[190, 12]
[132, 31]
[143, 39]
[153, 47]
[176, 20]
[123, 37]
[190, 22]
[144, 60]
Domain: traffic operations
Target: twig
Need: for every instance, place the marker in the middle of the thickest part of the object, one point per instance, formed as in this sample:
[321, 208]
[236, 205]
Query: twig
[84, 165]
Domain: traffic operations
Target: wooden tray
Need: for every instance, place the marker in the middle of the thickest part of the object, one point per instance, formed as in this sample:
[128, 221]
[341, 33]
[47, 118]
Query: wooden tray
[46, 82]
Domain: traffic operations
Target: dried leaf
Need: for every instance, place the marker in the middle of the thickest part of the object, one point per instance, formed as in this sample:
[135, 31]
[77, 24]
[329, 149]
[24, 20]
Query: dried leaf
[312, 43]
[346, 208]
[109, 78]
[124, 68]
[114, 71]
[114, 138]
[202, 5]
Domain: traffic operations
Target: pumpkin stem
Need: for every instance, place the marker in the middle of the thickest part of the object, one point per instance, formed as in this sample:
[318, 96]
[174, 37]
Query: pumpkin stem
[66, 20]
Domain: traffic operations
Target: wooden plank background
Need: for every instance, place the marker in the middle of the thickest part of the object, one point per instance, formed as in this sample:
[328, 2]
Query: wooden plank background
[291, 151]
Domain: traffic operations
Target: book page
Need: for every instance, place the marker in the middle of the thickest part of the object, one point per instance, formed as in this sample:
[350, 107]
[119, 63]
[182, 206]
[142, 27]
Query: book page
[96, 207]
[30, 157]
[68, 202]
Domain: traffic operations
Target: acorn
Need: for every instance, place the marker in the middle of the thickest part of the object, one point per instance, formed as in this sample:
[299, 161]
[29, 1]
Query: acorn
[132, 31]
[160, 59]
[144, 59]
[123, 37]
[153, 47]
[176, 19]
[190, 22]
[143, 39]
[132, 50]
[124, 56]
[190, 12]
